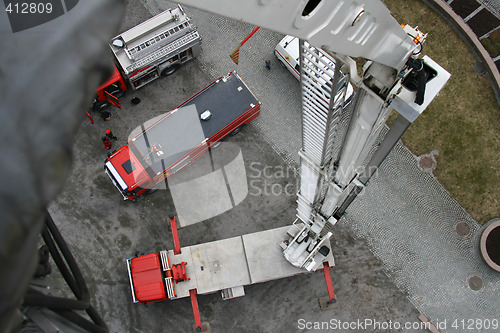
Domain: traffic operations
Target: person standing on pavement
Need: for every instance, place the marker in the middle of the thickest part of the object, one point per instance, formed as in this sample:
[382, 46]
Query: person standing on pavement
[268, 64]
[110, 135]
[107, 142]
[105, 115]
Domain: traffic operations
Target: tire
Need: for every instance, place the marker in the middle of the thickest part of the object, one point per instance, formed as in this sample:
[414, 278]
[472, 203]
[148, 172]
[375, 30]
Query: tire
[99, 106]
[236, 131]
[43, 253]
[169, 70]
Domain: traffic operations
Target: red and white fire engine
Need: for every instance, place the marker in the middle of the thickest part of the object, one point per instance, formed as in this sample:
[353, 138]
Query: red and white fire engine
[172, 141]
[154, 48]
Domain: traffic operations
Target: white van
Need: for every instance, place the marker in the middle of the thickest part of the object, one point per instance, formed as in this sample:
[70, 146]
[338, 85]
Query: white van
[287, 51]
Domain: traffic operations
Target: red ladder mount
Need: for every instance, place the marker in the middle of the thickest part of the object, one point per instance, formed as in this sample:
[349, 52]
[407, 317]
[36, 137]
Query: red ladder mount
[179, 272]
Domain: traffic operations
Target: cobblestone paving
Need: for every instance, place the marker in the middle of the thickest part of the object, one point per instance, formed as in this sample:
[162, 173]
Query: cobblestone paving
[406, 217]
[409, 221]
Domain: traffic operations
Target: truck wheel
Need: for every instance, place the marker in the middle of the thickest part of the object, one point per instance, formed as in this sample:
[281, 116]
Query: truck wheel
[169, 70]
[236, 131]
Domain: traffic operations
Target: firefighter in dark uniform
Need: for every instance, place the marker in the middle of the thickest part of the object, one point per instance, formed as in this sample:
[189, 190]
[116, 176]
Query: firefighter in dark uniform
[110, 135]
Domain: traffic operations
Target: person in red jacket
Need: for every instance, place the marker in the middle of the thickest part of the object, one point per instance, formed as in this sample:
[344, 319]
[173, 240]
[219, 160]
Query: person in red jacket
[107, 142]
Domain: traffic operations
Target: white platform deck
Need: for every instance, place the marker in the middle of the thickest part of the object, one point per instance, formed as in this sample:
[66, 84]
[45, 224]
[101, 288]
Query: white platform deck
[236, 261]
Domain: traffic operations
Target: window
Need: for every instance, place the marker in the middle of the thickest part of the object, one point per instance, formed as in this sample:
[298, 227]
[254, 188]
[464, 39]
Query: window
[128, 166]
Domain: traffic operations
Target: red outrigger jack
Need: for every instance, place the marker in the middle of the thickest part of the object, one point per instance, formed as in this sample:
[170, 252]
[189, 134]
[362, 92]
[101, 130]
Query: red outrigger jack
[328, 279]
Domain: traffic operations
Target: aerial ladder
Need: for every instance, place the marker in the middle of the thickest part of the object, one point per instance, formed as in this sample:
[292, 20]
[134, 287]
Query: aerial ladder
[334, 168]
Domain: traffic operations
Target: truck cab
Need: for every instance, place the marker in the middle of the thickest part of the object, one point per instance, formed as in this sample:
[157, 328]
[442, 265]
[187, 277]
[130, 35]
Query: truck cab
[128, 174]
[288, 53]
[109, 92]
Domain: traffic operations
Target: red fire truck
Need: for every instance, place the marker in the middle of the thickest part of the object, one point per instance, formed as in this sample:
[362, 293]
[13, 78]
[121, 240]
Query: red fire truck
[172, 141]
[109, 92]
[147, 51]
[226, 265]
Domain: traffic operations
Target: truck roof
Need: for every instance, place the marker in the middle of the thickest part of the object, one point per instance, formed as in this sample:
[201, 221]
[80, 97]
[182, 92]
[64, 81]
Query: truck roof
[165, 139]
[229, 98]
[287, 51]
[153, 39]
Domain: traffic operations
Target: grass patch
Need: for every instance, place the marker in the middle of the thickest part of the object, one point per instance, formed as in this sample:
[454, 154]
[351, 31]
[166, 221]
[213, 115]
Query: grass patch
[463, 122]
[492, 44]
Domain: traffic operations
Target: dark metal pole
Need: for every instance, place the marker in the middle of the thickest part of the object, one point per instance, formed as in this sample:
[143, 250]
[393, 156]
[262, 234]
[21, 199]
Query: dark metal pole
[392, 137]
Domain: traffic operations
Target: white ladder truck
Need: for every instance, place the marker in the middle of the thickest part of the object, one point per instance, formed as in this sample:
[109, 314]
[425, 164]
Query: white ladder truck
[156, 47]
[393, 78]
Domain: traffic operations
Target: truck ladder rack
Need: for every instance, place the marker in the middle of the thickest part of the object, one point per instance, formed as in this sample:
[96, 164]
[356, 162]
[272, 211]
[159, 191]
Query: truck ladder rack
[165, 50]
[169, 285]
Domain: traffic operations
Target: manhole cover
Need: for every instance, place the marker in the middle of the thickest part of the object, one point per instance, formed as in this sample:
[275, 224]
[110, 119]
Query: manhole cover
[479, 68]
[493, 245]
[427, 162]
[463, 229]
[475, 283]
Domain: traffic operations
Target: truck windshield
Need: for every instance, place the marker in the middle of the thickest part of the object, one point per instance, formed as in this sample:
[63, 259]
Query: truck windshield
[116, 175]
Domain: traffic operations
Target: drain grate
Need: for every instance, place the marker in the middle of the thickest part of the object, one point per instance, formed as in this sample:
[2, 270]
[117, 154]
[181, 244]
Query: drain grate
[475, 283]
[462, 229]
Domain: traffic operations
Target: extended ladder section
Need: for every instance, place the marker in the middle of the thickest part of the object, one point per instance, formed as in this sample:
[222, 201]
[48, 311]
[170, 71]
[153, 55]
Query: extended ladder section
[324, 86]
[332, 178]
